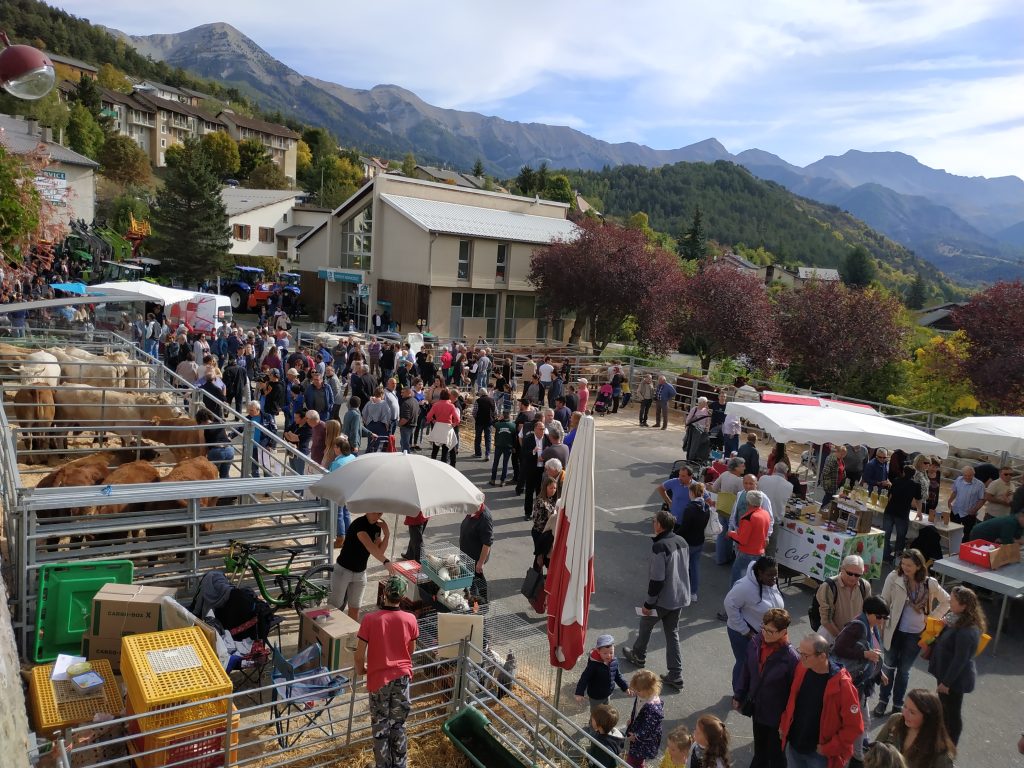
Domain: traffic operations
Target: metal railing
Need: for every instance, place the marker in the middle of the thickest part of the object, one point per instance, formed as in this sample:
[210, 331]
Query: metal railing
[186, 523]
[262, 727]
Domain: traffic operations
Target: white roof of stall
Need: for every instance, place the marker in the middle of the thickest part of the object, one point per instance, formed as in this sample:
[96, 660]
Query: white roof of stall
[986, 433]
[803, 424]
[140, 290]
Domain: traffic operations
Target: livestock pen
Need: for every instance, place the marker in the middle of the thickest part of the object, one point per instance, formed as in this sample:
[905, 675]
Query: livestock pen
[114, 405]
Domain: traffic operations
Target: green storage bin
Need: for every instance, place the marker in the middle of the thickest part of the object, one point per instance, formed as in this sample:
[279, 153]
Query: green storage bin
[471, 734]
[66, 591]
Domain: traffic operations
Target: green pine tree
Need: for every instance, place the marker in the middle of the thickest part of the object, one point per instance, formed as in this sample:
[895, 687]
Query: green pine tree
[693, 245]
[858, 268]
[478, 167]
[190, 224]
[409, 164]
[917, 293]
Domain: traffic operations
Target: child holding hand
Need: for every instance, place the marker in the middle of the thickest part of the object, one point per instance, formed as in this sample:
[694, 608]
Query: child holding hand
[601, 674]
[644, 729]
[603, 720]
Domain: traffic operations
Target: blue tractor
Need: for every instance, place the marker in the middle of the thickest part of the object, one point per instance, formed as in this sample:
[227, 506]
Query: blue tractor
[238, 284]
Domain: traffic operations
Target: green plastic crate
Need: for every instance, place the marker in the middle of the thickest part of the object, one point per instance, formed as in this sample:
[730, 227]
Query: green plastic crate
[65, 602]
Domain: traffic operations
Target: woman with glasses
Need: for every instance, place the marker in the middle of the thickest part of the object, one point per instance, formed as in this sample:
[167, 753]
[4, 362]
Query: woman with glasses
[912, 595]
[764, 683]
[952, 658]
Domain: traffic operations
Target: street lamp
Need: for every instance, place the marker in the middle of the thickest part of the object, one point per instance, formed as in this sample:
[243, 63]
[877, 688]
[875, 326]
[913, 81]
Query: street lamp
[25, 72]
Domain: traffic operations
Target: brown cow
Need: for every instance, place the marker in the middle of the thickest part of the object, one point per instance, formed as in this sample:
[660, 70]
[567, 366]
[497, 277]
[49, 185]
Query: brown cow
[34, 409]
[183, 443]
[87, 470]
[188, 470]
[132, 473]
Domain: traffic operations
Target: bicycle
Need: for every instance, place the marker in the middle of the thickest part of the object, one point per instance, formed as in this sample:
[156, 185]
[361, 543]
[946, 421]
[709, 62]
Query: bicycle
[295, 590]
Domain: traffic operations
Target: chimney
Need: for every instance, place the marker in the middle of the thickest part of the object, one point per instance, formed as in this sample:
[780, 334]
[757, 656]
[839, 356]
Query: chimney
[47, 134]
[33, 126]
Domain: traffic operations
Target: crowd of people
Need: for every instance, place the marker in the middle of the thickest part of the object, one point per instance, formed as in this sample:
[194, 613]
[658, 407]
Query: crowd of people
[31, 281]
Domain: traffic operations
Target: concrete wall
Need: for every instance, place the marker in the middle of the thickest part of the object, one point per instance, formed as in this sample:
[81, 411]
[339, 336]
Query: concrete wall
[14, 726]
[271, 216]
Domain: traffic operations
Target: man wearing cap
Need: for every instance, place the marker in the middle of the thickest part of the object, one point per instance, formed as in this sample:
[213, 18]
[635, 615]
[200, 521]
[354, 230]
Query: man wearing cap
[387, 639]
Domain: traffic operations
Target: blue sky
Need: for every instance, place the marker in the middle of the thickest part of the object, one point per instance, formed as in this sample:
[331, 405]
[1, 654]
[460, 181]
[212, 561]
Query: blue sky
[942, 80]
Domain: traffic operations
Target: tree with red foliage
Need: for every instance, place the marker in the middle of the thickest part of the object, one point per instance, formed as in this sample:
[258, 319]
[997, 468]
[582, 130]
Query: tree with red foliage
[994, 323]
[605, 274]
[843, 339]
[724, 313]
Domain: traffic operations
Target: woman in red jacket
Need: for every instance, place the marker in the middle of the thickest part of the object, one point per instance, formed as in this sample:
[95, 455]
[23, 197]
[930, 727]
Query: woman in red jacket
[442, 418]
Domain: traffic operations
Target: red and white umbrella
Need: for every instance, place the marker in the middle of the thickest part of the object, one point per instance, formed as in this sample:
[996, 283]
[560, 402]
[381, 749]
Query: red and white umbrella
[570, 580]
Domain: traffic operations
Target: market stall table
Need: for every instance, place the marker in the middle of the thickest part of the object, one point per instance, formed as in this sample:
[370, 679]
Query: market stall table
[813, 550]
[1007, 581]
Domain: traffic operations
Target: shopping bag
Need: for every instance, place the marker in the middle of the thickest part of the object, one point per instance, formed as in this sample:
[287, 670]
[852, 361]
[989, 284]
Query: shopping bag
[532, 583]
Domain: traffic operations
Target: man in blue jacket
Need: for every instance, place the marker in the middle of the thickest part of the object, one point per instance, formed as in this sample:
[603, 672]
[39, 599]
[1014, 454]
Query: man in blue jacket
[664, 394]
[668, 592]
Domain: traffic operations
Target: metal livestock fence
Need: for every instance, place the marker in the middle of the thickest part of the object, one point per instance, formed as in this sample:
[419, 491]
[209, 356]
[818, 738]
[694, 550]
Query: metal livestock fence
[172, 531]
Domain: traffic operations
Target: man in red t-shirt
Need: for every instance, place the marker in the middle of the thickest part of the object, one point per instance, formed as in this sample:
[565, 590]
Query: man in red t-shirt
[384, 655]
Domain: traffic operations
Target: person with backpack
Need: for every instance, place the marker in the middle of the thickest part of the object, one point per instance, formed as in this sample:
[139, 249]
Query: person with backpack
[859, 649]
[840, 600]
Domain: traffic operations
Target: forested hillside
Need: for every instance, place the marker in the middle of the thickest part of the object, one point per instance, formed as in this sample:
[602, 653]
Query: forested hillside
[739, 208]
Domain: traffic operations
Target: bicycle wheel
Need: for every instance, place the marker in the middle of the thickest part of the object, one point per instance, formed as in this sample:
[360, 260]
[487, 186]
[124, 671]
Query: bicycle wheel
[311, 591]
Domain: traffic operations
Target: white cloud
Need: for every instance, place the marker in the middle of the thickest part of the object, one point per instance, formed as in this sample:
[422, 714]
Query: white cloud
[804, 74]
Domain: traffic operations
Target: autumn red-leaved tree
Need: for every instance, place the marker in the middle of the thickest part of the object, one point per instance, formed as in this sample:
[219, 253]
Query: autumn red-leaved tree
[842, 339]
[605, 274]
[994, 323]
[724, 313]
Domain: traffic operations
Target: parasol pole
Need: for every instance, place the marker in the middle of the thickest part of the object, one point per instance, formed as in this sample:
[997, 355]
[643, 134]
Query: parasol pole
[558, 686]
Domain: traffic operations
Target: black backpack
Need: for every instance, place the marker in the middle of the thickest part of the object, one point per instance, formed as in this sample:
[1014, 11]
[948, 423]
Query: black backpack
[814, 612]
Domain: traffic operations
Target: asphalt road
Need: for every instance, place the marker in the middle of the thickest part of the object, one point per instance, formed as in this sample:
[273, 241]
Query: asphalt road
[630, 461]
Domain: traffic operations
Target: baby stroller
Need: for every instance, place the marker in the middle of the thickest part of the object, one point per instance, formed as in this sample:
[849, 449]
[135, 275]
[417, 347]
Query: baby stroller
[603, 403]
[381, 441]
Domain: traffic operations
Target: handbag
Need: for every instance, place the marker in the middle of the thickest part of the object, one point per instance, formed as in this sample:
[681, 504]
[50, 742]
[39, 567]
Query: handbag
[532, 583]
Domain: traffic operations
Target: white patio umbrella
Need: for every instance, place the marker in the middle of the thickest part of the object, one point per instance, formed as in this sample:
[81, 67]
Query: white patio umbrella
[986, 433]
[401, 484]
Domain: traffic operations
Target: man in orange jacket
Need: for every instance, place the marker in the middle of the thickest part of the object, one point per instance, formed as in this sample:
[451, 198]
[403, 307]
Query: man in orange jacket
[822, 719]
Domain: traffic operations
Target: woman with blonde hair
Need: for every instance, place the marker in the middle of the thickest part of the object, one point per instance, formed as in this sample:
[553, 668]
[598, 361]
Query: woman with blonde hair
[952, 656]
[331, 434]
[881, 755]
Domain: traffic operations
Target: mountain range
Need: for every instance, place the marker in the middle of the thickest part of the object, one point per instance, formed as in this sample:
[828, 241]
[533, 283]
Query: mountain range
[972, 228]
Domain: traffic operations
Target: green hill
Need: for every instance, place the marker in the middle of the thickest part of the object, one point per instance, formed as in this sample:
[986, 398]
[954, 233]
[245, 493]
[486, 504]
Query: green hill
[739, 208]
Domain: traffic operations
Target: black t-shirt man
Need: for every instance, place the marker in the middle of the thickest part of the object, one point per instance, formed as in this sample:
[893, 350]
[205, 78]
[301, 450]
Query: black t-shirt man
[803, 733]
[354, 555]
[901, 497]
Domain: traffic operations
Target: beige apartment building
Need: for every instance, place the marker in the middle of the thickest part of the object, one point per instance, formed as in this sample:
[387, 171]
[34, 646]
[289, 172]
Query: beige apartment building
[454, 257]
[158, 116]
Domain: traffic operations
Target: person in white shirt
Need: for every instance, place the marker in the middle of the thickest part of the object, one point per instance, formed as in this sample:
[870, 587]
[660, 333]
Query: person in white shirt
[728, 482]
[778, 489]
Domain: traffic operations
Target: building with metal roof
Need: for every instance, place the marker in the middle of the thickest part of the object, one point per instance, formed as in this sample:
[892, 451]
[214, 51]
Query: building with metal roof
[454, 257]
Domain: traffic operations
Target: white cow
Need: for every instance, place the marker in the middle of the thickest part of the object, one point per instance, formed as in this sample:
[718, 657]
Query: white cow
[38, 368]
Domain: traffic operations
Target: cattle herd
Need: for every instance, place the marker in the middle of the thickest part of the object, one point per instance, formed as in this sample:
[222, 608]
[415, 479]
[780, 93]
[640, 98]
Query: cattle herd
[55, 395]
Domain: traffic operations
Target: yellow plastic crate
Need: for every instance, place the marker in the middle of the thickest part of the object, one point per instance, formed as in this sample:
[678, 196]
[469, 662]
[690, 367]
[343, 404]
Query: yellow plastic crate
[201, 745]
[55, 706]
[162, 669]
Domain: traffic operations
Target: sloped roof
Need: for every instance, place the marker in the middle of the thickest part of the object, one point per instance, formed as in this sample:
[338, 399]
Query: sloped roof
[170, 105]
[238, 200]
[456, 178]
[15, 137]
[817, 273]
[126, 99]
[253, 124]
[739, 261]
[473, 221]
[71, 62]
[295, 230]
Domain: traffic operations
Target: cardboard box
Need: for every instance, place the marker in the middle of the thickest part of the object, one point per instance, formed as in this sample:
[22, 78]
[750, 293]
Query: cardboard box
[989, 555]
[108, 648]
[336, 634]
[126, 609]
